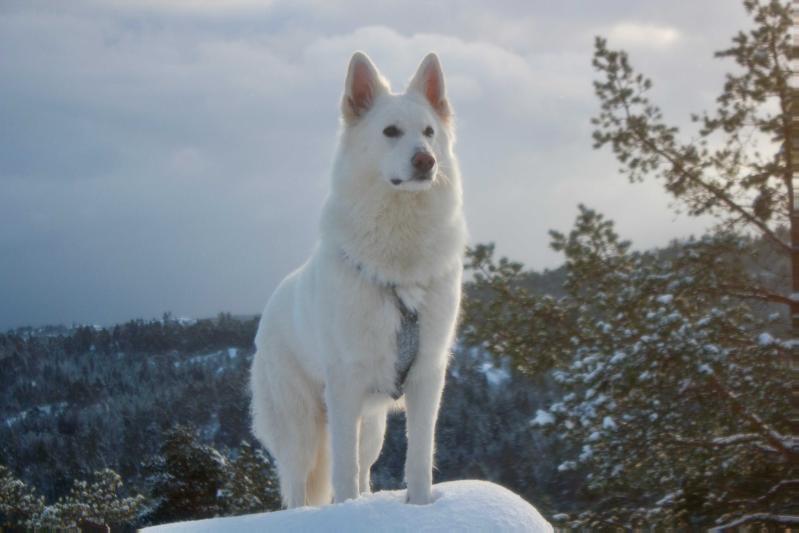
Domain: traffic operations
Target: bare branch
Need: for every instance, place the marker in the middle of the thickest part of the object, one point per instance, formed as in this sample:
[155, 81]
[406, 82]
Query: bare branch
[782, 519]
[696, 179]
[753, 439]
[755, 293]
[766, 431]
[771, 492]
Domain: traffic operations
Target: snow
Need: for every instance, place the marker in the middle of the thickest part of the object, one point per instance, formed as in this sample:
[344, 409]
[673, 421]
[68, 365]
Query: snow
[669, 498]
[586, 453]
[734, 439]
[757, 517]
[566, 466]
[458, 506]
[790, 344]
[618, 357]
[608, 423]
[204, 358]
[765, 339]
[47, 409]
[494, 375]
[664, 299]
[542, 418]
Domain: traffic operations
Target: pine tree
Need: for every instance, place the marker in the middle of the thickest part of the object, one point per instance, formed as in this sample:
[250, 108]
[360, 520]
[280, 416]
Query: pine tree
[88, 504]
[676, 402]
[92, 504]
[19, 505]
[187, 478]
[740, 167]
[252, 484]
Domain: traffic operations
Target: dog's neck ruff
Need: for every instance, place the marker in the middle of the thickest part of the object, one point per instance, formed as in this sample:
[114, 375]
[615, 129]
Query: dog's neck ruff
[407, 335]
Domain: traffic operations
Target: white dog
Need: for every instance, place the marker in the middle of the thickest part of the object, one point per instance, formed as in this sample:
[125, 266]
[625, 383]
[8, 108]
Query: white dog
[370, 317]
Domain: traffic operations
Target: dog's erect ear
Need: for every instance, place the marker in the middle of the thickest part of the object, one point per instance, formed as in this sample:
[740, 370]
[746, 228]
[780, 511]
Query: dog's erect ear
[429, 81]
[364, 84]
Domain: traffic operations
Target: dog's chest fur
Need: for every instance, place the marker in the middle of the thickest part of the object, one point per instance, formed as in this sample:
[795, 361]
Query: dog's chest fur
[400, 239]
[393, 245]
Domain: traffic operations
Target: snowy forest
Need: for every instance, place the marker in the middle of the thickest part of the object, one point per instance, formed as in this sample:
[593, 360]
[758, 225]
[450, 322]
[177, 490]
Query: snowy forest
[627, 389]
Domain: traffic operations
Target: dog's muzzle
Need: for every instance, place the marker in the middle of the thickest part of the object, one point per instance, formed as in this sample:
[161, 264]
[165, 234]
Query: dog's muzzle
[423, 164]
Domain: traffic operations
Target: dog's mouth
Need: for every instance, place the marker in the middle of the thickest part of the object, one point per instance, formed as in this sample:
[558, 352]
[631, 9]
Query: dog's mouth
[418, 177]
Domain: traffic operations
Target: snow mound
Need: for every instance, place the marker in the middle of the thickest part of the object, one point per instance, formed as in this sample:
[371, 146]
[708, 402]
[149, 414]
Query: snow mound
[458, 506]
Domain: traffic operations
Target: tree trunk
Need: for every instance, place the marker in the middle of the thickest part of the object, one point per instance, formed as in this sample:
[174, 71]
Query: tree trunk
[795, 251]
[792, 151]
[793, 183]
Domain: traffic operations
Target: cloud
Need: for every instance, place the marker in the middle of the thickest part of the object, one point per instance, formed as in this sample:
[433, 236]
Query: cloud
[630, 34]
[174, 156]
[191, 5]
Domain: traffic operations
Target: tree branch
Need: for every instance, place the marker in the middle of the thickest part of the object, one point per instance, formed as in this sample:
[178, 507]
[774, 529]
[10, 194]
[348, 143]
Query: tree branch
[767, 432]
[731, 440]
[697, 180]
[787, 132]
[771, 492]
[784, 519]
[756, 293]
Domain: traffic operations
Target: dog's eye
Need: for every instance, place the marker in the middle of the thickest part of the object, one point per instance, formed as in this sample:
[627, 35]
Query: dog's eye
[392, 131]
[428, 131]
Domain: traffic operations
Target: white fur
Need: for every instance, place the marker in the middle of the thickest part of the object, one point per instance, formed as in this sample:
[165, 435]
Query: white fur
[326, 344]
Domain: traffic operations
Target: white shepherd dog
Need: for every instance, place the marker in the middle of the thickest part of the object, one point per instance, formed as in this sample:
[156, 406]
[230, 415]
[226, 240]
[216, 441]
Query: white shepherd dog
[370, 317]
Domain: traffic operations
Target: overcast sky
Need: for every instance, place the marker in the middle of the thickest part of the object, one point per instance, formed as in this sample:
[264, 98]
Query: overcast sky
[173, 155]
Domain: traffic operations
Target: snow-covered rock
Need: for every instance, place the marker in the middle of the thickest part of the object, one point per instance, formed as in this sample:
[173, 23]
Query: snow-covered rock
[458, 506]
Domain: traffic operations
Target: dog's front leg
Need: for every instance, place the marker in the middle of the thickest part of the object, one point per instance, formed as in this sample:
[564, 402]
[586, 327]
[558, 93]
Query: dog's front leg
[422, 398]
[343, 409]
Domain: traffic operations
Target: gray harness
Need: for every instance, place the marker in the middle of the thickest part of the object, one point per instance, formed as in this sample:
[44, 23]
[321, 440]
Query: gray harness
[407, 343]
[407, 335]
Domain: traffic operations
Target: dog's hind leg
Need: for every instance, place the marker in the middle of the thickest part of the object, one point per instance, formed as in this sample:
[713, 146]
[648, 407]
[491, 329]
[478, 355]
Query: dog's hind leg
[319, 488]
[300, 438]
[292, 485]
[287, 414]
[373, 430]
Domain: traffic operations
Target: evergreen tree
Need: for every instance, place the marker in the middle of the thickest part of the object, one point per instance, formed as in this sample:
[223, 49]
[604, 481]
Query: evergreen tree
[88, 504]
[252, 484]
[676, 401]
[187, 478]
[19, 505]
[92, 504]
[740, 168]
[677, 397]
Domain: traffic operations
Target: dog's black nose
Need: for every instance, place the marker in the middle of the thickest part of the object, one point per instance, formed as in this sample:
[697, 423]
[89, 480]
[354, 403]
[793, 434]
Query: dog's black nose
[423, 161]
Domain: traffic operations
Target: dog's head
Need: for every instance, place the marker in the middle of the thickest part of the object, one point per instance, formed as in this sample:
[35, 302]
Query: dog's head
[402, 139]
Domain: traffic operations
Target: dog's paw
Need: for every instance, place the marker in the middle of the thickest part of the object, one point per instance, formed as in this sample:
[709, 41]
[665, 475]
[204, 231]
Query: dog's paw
[419, 497]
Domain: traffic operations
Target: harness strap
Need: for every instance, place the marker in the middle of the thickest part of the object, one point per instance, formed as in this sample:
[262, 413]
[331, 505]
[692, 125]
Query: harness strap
[407, 336]
[407, 344]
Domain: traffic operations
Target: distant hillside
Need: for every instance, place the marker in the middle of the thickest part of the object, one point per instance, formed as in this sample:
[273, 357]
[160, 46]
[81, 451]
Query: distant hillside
[77, 399]
[73, 400]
